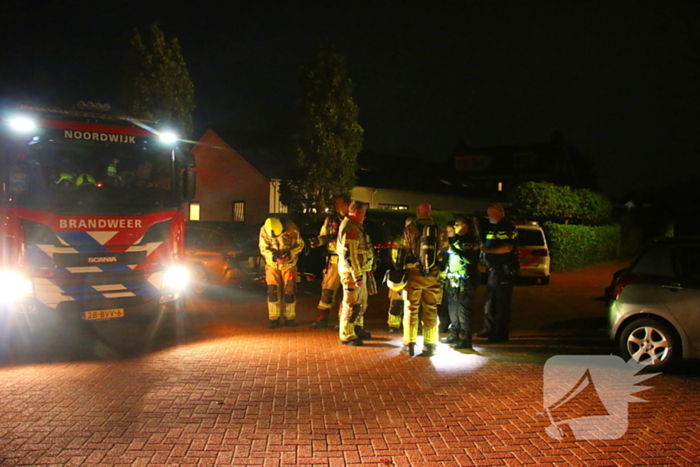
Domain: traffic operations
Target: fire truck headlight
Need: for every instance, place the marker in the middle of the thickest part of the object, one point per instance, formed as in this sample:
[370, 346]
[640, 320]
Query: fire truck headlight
[168, 137]
[22, 124]
[176, 278]
[14, 286]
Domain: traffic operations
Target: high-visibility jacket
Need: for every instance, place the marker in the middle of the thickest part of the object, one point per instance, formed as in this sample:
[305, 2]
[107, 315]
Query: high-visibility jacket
[502, 233]
[354, 248]
[329, 232]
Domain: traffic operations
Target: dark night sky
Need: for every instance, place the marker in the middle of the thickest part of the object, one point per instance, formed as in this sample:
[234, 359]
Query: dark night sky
[620, 79]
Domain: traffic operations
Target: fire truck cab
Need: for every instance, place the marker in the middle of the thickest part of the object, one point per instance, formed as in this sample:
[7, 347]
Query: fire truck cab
[92, 215]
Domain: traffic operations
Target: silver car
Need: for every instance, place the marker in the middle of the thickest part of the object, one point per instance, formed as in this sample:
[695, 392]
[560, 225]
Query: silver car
[654, 311]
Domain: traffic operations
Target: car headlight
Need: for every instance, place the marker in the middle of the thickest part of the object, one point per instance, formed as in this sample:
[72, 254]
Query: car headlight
[13, 286]
[176, 278]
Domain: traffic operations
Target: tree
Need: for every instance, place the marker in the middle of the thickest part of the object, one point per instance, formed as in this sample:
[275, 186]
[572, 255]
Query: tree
[543, 201]
[593, 208]
[156, 83]
[328, 137]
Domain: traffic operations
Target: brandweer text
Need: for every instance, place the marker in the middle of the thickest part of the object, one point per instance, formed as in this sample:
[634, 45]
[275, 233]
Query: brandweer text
[99, 223]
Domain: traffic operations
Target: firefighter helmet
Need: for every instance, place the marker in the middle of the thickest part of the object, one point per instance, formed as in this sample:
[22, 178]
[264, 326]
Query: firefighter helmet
[396, 279]
[274, 226]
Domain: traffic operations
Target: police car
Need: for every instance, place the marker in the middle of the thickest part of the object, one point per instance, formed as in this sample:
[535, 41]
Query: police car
[533, 252]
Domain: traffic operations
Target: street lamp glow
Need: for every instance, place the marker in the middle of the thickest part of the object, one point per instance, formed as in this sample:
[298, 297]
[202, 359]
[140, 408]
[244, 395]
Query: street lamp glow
[168, 137]
[22, 124]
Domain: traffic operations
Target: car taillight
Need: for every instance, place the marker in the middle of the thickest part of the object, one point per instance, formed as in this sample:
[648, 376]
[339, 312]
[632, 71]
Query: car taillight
[623, 282]
[382, 246]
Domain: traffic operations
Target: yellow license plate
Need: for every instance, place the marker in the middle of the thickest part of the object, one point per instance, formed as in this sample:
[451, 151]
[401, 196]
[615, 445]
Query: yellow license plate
[104, 314]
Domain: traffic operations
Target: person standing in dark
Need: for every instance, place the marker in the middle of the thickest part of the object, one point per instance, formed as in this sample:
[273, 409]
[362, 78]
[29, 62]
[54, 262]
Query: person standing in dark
[443, 310]
[501, 256]
[461, 281]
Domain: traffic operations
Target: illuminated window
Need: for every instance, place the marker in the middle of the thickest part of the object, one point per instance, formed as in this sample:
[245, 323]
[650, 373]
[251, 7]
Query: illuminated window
[500, 186]
[238, 211]
[395, 207]
[194, 211]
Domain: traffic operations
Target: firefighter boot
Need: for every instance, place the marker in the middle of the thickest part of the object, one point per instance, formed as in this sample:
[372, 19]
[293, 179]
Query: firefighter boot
[273, 324]
[409, 349]
[361, 333]
[322, 319]
[428, 350]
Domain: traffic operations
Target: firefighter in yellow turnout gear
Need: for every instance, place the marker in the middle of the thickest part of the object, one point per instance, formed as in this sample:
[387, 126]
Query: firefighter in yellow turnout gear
[280, 244]
[395, 281]
[331, 280]
[425, 244]
[355, 261]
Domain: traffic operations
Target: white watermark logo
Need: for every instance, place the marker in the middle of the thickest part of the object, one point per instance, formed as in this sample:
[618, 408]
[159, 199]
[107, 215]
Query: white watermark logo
[588, 394]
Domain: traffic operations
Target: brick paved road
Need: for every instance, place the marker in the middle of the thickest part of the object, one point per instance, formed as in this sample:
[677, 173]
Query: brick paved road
[231, 392]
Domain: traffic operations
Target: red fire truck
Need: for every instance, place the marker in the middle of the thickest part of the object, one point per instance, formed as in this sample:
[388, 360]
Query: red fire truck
[92, 215]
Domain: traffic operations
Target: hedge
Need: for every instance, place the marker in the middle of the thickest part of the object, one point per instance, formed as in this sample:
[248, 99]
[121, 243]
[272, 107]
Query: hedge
[579, 245]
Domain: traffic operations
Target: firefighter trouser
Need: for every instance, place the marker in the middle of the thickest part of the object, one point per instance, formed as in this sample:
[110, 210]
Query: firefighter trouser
[396, 308]
[329, 289]
[497, 309]
[281, 292]
[353, 308]
[459, 304]
[426, 293]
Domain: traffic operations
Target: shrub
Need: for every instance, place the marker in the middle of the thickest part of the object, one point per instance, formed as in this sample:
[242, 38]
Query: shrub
[578, 245]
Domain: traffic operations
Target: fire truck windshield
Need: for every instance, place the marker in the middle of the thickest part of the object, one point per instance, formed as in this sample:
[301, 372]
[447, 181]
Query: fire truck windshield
[89, 180]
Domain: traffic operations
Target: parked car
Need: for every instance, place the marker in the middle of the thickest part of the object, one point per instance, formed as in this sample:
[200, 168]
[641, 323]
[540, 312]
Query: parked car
[533, 252]
[654, 312]
[384, 234]
[221, 253]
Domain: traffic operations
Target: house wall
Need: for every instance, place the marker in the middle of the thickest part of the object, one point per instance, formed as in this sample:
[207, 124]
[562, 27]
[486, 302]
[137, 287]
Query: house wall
[378, 196]
[223, 176]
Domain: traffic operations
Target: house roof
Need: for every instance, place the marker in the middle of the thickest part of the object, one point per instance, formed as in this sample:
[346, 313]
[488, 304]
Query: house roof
[403, 173]
[269, 154]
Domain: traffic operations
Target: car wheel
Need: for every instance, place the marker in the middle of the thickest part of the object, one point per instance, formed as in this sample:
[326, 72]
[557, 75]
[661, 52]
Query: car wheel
[200, 281]
[544, 280]
[651, 343]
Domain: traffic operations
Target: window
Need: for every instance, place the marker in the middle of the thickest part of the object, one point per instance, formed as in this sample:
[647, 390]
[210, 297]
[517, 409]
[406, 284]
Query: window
[655, 262]
[238, 211]
[394, 207]
[467, 163]
[530, 237]
[194, 211]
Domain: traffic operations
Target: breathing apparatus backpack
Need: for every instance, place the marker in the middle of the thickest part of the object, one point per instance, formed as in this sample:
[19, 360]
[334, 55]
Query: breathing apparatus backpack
[427, 247]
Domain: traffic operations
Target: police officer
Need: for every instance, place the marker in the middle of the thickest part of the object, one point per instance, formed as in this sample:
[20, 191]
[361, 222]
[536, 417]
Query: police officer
[461, 280]
[425, 244]
[501, 256]
[331, 280]
[355, 261]
[280, 244]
